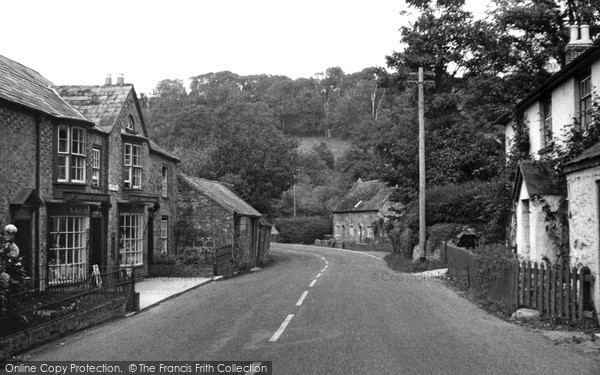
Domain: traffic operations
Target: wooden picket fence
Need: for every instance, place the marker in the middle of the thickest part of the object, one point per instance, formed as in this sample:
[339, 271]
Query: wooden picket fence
[555, 291]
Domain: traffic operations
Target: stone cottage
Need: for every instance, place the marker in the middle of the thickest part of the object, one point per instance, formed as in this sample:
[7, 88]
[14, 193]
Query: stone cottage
[141, 183]
[213, 217]
[361, 210]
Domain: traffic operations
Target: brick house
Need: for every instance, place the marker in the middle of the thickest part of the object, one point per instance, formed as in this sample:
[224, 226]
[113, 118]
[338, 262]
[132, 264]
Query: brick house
[356, 217]
[216, 217]
[140, 178]
[47, 188]
[544, 116]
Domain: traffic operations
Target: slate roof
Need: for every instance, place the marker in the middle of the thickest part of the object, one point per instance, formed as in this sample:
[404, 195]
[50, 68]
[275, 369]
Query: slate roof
[100, 104]
[159, 150]
[586, 157]
[365, 196]
[574, 67]
[539, 180]
[22, 85]
[222, 195]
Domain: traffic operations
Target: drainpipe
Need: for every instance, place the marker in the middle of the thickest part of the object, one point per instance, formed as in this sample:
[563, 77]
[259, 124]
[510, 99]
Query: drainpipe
[36, 219]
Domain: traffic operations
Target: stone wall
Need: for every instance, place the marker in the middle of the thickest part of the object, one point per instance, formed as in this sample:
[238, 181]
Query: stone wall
[31, 338]
[201, 219]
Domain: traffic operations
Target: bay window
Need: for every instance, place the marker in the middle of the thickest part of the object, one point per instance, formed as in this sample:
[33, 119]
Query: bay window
[67, 255]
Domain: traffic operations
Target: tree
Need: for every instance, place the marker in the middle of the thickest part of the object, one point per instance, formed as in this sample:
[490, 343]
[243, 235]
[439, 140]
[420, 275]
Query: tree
[329, 83]
[254, 156]
[538, 29]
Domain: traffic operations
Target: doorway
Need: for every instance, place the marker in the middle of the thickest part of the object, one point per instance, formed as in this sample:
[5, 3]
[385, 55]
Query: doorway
[96, 241]
[150, 239]
[24, 240]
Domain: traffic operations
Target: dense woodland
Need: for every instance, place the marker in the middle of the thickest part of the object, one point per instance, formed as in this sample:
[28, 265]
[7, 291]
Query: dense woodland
[244, 129]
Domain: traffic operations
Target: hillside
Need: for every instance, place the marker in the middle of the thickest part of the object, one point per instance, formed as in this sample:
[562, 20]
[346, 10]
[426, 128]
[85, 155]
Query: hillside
[337, 146]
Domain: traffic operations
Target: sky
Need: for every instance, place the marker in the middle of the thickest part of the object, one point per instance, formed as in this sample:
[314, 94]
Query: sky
[80, 42]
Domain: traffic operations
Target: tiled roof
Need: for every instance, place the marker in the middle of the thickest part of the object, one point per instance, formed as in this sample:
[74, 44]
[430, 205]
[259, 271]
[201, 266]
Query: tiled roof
[156, 148]
[222, 195]
[538, 178]
[365, 196]
[100, 104]
[22, 85]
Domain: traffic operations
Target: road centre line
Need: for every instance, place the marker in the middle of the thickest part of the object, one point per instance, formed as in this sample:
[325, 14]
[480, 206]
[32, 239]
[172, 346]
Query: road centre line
[336, 249]
[319, 275]
[281, 328]
[312, 283]
[302, 298]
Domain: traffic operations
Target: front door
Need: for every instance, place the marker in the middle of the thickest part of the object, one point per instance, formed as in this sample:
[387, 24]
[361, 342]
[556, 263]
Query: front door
[96, 242]
[150, 239]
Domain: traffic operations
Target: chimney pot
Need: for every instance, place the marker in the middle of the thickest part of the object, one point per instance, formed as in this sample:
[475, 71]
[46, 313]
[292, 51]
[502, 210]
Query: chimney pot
[120, 80]
[585, 34]
[108, 80]
[574, 34]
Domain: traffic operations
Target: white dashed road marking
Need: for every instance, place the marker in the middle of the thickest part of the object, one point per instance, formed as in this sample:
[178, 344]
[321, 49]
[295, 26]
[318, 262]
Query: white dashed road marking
[302, 298]
[299, 303]
[282, 328]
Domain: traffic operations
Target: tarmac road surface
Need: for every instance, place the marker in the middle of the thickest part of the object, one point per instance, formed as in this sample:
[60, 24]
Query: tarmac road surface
[319, 310]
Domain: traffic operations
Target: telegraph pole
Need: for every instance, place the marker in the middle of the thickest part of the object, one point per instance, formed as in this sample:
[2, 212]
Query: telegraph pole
[422, 223]
[294, 201]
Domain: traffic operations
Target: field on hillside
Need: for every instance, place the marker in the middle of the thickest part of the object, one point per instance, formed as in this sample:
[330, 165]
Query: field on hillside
[337, 146]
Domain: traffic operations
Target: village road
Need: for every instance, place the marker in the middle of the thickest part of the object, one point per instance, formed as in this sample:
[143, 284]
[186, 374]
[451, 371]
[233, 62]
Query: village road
[318, 310]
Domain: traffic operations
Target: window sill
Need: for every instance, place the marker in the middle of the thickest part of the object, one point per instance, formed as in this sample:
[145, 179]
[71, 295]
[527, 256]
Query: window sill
[546, 149]
[70, 184]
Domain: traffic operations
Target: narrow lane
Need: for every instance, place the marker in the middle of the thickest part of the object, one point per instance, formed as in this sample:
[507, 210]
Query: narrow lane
[326, 311]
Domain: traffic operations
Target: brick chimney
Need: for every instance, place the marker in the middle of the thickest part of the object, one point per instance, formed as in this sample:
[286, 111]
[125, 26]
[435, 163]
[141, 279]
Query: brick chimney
[108, 80]
[578, 43]
[120, 80]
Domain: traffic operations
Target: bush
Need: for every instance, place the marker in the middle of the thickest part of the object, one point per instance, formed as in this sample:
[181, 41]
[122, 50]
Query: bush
[481, 205]
[492, 259]
[303, 229]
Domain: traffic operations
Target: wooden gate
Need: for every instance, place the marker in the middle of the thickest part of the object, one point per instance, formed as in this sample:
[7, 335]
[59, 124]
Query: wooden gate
[223, 261]
[555, 291]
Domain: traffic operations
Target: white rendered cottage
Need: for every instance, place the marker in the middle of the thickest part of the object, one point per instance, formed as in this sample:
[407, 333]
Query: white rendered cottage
[546, 115]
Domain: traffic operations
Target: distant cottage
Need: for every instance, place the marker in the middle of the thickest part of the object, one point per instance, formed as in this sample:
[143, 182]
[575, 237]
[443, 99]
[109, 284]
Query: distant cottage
[356, 217]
